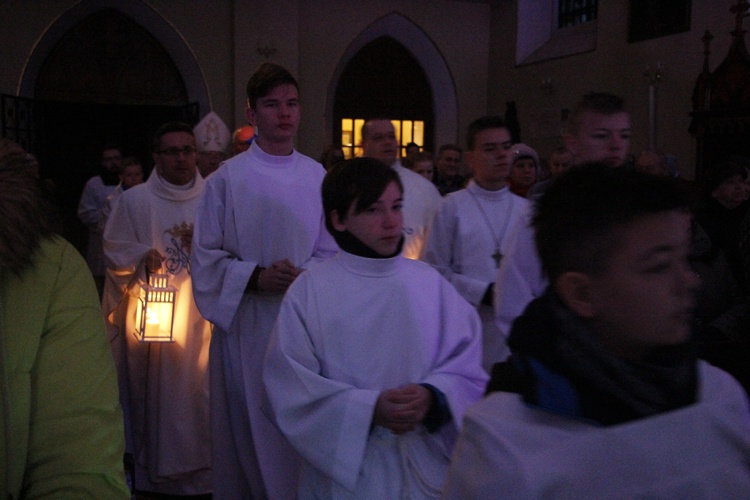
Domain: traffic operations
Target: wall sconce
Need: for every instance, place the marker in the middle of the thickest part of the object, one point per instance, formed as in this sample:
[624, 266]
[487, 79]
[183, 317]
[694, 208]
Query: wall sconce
[154, 315]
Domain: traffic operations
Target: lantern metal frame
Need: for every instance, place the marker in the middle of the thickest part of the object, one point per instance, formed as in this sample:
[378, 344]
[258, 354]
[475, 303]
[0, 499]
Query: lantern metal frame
[156, 302]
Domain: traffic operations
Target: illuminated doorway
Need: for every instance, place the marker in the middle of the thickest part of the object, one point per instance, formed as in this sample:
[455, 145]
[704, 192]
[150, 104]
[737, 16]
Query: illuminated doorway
[384, 80]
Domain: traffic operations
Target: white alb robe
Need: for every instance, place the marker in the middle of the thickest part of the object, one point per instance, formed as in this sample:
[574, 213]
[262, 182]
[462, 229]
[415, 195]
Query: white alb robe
[509, 449]
[167, 383]
[93, 199]
[461, 243]
[520, 278]
[421, 202]
[257, 209]
[349, 329]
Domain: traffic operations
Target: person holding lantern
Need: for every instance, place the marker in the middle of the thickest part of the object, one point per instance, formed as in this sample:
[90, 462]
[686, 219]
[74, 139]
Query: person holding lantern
[150, 230]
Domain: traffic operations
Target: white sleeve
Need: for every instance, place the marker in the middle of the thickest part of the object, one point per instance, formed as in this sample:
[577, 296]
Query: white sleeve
[520, 278]
[440, 251]
[326, 421]
[220, 276]
[482, 467]
[122, 248]
[88, 208]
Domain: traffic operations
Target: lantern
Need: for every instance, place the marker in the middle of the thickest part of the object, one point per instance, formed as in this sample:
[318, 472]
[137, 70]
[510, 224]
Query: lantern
[154, 315]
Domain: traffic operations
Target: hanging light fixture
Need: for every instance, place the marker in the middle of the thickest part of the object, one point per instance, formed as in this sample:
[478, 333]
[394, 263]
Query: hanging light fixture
[154, 316]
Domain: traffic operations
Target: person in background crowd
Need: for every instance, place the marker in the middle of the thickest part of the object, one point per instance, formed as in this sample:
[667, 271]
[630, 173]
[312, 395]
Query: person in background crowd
[93, 199]
[332, 155]
[560, 162]
[447, 169]
[653, 163]
[241, 139]
[421, 198]
[524, 170]
[422, 164]
[211, 139]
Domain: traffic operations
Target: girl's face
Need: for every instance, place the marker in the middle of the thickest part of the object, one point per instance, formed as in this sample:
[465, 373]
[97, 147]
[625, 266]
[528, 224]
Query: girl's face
[523, 173]
[378, 226]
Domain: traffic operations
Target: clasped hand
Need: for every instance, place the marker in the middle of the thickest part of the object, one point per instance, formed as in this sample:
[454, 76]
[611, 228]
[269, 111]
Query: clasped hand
[278, 277]
[402, 410]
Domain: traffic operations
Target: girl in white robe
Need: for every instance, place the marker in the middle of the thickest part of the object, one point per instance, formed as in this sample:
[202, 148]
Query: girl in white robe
[374, 358]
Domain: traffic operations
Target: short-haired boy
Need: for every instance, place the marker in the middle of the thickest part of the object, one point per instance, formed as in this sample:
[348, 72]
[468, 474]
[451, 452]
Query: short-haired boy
[603, 395]
[374, 357]
[598, 131]
[260, 223]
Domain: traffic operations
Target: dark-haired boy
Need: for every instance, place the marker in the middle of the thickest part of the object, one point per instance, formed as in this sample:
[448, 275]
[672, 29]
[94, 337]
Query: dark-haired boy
[259, 225]
[374, 357]
[603, 395]
[472, 227]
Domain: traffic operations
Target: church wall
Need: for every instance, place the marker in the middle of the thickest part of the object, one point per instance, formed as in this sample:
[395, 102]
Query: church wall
[206, 29]
[458, 30]
[615, 66]
[309, 38]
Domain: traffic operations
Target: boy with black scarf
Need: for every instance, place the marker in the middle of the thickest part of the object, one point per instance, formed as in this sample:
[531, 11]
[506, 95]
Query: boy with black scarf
[603, 394]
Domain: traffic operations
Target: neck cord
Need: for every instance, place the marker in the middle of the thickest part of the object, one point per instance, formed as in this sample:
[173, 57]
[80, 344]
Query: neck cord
[496, 256]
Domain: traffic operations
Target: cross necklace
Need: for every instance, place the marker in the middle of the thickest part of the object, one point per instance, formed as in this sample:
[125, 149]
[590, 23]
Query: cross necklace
[497, 255]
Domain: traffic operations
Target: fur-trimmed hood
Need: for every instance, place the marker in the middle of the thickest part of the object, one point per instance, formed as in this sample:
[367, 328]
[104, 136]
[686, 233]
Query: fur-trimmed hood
[23, 212]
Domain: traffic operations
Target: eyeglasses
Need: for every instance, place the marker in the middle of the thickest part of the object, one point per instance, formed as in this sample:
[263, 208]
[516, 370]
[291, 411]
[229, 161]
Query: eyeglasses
[175, 152]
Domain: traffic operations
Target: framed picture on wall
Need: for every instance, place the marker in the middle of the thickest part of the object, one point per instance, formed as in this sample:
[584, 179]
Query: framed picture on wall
[652, 19]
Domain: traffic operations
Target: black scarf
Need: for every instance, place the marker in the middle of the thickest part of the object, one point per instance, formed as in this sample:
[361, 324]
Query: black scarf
[610, 390]
[353, 245]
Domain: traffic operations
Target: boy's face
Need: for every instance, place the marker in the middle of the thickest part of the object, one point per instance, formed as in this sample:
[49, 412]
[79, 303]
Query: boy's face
[424, 168]
[559, 163]
[276, 116]
[490, 158]
[731, 192]
[601, 138]
[131, 175]
[645, 297]
[448, 163]
[379, 226]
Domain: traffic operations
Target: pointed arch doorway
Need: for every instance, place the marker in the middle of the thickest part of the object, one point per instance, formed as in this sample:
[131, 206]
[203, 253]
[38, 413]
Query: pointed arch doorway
[410, 39]
[383, 80]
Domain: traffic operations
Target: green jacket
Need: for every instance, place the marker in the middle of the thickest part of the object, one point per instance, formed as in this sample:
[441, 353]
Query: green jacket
[61, 431]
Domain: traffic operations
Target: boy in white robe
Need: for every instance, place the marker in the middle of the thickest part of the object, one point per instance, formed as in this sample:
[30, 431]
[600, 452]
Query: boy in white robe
[374, 357]
[598, 131]
[603, 396]
[260, 223]
[472, 228]
[151, 227]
